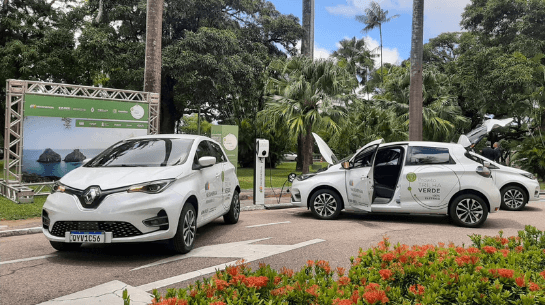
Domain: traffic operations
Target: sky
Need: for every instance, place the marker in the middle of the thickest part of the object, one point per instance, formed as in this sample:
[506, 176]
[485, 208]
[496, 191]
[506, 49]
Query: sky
[334, 20]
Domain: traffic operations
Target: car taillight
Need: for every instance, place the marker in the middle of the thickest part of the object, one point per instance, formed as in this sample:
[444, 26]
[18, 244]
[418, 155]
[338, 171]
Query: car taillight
[483, 171]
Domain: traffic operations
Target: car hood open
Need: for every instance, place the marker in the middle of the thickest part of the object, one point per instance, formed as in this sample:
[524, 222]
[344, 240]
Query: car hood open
[476, 135]
[114, 177]
[328, 154]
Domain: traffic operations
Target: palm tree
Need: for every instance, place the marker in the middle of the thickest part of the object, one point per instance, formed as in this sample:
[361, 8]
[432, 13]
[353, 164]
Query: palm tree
[301, 93]
[375, 17]
[354, 55]
[415, 105]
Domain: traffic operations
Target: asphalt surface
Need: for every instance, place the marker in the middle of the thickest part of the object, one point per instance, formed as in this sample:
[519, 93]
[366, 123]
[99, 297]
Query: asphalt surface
[32, 272]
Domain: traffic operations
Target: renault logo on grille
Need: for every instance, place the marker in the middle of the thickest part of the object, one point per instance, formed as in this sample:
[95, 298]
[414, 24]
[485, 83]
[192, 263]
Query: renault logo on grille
[91, 194]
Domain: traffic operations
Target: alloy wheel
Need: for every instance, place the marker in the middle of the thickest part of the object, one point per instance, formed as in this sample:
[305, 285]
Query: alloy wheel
[236, 205]
[469, 211]
[325, 205]
[189, 228]
[513, 198]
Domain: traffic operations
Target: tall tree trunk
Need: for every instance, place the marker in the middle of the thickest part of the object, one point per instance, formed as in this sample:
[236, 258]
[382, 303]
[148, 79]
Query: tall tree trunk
[307, 150]
[154, 31]
[381, 75]
[307, 44]
[300, 156]
[415, 96]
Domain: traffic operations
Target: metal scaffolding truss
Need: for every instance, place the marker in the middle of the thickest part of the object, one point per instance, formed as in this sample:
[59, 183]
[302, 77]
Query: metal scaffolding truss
[11, 185]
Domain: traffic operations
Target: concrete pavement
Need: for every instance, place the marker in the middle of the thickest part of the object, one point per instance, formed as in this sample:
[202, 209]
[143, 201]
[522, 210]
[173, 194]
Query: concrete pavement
[272, 201]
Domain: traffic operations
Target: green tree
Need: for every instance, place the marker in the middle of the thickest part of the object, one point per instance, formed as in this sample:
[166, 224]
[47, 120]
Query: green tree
[374, 17]
[302, 93]
[354, 55]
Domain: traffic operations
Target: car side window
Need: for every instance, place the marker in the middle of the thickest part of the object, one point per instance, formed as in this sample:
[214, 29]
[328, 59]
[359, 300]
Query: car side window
[420, 155]
[365, 157]
[203, 150]
[389, 156]
[218, 153]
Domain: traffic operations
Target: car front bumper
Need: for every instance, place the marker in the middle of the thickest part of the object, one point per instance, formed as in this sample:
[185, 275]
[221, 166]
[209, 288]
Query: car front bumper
[121, 214]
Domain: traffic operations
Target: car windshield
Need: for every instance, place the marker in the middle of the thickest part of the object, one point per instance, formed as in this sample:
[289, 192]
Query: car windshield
[144, 153]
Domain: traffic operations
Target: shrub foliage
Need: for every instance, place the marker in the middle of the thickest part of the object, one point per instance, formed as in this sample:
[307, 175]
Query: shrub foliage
[493, 270]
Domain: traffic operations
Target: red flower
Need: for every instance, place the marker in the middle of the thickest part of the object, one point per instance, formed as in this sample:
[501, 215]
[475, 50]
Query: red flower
[232, 270]
[277, 280]
[262, 265]
[505, 252]
[364, 280]
[542, 273]
[506, 273]
[313, 290]
[338, 301]
[237, 278]
[256, 281]
[519, 248]
[520, 281]
[386, 274]
[221, 284]
[484, 279]
[324, 265]
[287, 272]
[417, 289]
[355, 296]
[473, 250]
[375, 296]
[310, 263]
[388, 257]
[533, 286]
[490, 249]
[170, 301]
[218, 303]
[340, 271]
[343, 281]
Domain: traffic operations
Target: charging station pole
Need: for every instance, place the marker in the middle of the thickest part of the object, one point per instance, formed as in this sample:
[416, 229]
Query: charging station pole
[262, 152]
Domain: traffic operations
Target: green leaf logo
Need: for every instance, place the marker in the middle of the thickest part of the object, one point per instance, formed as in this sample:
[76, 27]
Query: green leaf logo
[411, 177]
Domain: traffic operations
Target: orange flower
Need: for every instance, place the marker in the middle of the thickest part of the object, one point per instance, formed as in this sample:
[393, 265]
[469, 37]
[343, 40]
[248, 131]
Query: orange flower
[417, 289]
[386, 274]
[210, 291]
[221, 284]
[542, 273]
[506, 273]
[533, 286]
[355, 296]
[338, 301]
[343, 281]
[277, 280]
[232, 270]
[473, 250]
[324, 265]
[519, 248]
[364, 280]
[505, 252]
[490, 249]
[375, 296]
[287, 272]
[340, 271]
[313, 290]
[504, 241]
[256, 281]
[170, 301]
[218, 303]
[388, 257]
[237, 278]
[478, 268]
[262, 265]
[520, 281]
[310, 263]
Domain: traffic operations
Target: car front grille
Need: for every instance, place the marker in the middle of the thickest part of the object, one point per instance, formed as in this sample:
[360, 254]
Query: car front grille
[118, 228]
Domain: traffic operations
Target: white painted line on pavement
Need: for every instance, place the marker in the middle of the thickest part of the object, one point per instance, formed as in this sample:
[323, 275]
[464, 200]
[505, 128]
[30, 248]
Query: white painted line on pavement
[246, 250]
[27, 259]
[267, 224]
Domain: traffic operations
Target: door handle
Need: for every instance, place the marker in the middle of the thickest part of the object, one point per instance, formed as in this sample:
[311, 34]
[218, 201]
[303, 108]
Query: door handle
[218, 175]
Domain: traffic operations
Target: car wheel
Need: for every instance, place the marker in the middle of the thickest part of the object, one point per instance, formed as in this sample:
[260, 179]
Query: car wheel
[468, 210]
[234, 212]
[513, 198]
[187, 230]
[325, 204]
[61, 246]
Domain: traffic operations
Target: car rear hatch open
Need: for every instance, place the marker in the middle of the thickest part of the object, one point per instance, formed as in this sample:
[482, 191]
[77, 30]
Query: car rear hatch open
[471, 139]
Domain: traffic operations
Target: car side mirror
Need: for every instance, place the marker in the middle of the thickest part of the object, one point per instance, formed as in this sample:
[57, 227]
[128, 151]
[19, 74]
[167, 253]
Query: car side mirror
[346, 165]
[207, 161]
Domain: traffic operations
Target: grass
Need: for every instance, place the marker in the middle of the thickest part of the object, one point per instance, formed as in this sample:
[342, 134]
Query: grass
[276, 176]
[10, 210]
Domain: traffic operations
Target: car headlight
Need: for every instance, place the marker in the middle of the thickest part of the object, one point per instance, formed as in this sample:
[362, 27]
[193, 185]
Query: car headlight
[305, 176]
[58, 187]
[529, 176]
[152, 187]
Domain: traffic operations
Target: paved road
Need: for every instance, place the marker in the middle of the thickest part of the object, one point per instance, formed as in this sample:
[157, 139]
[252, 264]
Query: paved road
[32, 272]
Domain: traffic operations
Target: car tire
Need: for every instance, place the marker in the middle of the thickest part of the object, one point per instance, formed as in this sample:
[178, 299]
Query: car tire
[513, 198]
[325, 204]
[234, 211]
[187, 230]
[468, 210]
[62, 246]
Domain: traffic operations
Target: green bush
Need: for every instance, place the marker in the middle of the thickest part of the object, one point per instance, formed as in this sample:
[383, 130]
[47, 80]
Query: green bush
[531, 156]
[494, 270]
[279, 143]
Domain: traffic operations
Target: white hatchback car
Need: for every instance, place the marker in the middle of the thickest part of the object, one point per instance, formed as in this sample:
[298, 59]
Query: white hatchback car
[517, 186]
[401, 177]
[149, 188]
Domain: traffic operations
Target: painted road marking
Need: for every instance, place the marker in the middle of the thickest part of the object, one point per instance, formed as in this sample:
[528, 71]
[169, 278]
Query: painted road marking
[267, 224]
[246, 250]
[27, 259]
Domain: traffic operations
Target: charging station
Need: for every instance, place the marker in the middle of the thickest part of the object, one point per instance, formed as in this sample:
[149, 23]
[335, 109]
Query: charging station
[262, 152]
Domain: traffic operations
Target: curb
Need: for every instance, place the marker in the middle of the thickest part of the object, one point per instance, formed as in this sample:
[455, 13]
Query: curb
[21, 232]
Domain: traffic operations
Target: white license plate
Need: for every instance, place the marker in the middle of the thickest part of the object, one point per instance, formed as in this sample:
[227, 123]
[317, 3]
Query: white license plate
[87, 237]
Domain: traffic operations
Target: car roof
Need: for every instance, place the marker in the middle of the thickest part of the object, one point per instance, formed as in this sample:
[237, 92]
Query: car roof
[422, 143]
[171, 136]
